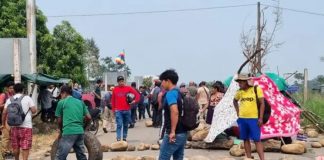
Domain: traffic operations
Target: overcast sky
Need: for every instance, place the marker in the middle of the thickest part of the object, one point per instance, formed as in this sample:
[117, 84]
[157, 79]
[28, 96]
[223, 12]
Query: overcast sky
[200, 45]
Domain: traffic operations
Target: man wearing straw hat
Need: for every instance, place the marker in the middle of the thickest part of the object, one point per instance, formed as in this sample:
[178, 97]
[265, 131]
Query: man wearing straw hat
[249, 120]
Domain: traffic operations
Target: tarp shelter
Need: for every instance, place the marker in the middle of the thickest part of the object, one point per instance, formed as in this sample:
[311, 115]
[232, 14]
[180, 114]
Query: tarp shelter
[44, 80]
[40, 79]
[4, 78]
[284, 120]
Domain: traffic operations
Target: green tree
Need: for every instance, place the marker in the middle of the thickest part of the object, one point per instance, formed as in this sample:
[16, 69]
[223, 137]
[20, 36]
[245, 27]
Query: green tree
[299, 76]
[148, 82]
[13, 25]
[320, 79]
[65, 56]
[109, 65]
[92, 58]
[59, 54]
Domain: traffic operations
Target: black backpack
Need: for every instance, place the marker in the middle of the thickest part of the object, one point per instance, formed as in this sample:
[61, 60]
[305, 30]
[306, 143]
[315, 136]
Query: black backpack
[267, 107]
[155, 96]
[16, 115]
[190, 109]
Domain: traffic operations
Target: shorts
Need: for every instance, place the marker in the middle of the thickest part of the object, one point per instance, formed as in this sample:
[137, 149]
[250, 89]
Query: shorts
[249, 129]
[21, 138]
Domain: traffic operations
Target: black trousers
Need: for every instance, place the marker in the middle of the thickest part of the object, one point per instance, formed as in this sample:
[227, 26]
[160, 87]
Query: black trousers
[133, 115]
[141, 111]
[157, 116]
[148, 110]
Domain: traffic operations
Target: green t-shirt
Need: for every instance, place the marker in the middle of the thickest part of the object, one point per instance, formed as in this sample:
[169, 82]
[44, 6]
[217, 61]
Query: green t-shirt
[73, 111]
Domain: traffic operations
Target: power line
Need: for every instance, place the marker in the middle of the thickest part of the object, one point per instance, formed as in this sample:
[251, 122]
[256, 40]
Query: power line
[151, 12]
[295, 10]
[184, 10]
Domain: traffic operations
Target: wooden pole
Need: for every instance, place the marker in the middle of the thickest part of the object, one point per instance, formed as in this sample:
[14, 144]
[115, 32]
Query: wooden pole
[16, 59]
[259, 57]
[106, 81]
[31, 33]
[305, 85]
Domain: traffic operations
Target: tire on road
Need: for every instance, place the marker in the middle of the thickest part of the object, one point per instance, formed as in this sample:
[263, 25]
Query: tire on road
[92, 144]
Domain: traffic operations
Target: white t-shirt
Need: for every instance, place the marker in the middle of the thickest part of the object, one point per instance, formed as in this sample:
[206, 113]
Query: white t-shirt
[26, 103]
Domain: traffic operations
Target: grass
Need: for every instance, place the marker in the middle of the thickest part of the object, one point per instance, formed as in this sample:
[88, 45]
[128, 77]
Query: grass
[315, 104]
[43, 141]
[45, 136]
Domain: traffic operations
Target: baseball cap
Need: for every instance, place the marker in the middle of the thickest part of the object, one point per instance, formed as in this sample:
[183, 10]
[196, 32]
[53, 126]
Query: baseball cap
[120, 78]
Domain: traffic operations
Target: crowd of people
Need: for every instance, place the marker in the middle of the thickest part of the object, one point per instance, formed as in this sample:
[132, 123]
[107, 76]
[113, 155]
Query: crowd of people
[121, 107]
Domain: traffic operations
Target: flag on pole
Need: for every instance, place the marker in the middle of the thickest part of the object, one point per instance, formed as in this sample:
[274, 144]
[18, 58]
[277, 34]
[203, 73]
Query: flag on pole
[120, 59]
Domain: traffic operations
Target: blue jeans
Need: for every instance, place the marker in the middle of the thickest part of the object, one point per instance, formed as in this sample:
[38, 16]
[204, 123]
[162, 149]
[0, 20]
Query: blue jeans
[67, 142]
[173, 149]
[122, 120]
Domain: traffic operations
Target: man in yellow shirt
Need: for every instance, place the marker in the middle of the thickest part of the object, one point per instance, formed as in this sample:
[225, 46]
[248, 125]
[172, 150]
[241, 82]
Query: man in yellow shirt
[249, 120]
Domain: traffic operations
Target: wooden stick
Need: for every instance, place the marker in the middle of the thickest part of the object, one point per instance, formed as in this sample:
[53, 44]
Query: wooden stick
[282, 141]
[248, 60]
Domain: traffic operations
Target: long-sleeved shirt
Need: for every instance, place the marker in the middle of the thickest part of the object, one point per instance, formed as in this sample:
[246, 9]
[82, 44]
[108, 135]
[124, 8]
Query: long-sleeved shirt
[118, 98]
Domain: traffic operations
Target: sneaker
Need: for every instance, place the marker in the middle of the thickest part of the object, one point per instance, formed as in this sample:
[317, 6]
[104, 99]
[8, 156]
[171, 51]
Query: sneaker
[105, 130]
[124, 139]
[118, 139]
[131, 126]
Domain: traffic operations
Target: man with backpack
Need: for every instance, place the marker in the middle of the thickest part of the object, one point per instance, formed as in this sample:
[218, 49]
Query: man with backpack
[108, 116]
[18, 113]
[134, 107]
[157, 113]
[141, 105]
[97, 93]
[71, 116]
[175, 116]
[4, 128]
[249, 120]
[203, 97]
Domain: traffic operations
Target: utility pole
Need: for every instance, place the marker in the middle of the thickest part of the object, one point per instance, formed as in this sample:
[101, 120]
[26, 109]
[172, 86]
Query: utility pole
[16, 55]
[31, 35]
[259, 56]
[305, 85]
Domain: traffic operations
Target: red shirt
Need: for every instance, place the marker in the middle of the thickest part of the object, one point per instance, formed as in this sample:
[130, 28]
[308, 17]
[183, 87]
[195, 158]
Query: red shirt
[3, 98]
[118, 98]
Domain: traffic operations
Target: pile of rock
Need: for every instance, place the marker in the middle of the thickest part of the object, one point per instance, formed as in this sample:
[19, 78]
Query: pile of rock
[124, 146]
[196, 139]
[196, 157]
[149, 123]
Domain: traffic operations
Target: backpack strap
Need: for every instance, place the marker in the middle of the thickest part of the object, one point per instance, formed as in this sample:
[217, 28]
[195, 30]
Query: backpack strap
[20, 99]
[181, 98]
[208, 96]
[12, 99]
[257, 99]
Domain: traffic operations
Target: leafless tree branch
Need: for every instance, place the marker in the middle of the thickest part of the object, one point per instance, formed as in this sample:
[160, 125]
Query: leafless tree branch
[249, 42]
